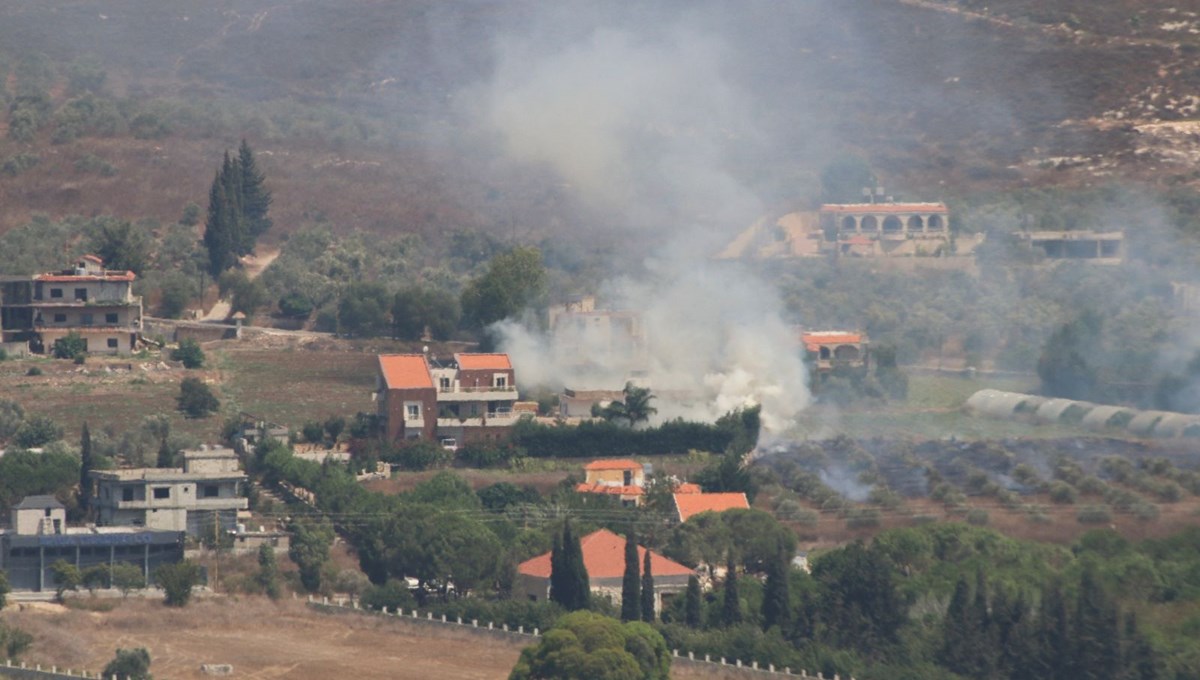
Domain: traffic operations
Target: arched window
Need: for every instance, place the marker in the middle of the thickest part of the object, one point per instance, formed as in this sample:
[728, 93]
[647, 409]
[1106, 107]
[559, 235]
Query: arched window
[892, 225]
[848, 223]
[935, 223]
[869, 223]
[915, 223]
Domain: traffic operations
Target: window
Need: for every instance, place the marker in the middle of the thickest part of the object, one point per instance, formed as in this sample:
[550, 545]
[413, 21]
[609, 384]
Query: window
[501, 381]
[127, 493]
[162, 492]
[85, 319]
[112, 343]
[211, 491]
[60, 318]
[85, 346]
[444, 382]
[47, 512]
[110, 317]
[413, 410]
[56, 292]
[81, 294]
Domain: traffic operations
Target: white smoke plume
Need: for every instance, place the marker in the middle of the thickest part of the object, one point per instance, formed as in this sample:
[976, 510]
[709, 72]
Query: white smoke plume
[642, 126]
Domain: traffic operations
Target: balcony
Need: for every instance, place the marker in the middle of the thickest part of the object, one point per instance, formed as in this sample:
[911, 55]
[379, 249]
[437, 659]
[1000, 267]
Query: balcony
[494, 419]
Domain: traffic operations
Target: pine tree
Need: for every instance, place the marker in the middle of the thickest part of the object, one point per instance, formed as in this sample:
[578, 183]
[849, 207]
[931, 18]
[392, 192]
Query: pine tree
[691, 610]
[256, 198]
[631, 598]
[647, 590]
[85, 469]
[731, 605]
[776, 605]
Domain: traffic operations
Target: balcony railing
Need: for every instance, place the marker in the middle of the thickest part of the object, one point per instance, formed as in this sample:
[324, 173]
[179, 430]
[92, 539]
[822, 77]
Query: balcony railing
[452, 389]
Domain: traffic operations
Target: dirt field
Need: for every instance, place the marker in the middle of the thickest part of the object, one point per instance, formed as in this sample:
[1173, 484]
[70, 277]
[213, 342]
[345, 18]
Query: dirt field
[263, 640]
[260, 639]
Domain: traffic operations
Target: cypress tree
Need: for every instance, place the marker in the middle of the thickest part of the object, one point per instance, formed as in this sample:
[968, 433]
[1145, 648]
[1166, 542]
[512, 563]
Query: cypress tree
[558, 574]
[983, 644]
[1140, 661]
[958, 632]
[1054, 635]
[578, 585]
[231, 181]
[647, 590]
[1097, 637]
[731, 605]
[776, 605]
[691, 610]
[631, 599]
[85, 469]
[219, 229]
[255, 198]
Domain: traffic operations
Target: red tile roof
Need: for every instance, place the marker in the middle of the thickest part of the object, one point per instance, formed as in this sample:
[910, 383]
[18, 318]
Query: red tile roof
[93, 258]
[613, 464]
[483, 362]
[611, 489]
[876, 208]
[688, 487]
[405, 371]
[690, 504]
[604, 557]
[813, 340]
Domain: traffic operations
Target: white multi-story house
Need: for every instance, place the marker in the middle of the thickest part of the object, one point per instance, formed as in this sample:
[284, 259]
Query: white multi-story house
[205, 493]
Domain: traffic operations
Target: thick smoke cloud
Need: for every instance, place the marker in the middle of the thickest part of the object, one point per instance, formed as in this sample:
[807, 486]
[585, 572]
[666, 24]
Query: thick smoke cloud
[641, 124]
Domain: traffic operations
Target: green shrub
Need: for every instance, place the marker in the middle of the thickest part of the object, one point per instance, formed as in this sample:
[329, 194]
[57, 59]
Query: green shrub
[1061, 492]
[189, 353]
[977, 517]
[196, 399]
[1094, 514]
[393, 595]
[70, 346]
[33, 371]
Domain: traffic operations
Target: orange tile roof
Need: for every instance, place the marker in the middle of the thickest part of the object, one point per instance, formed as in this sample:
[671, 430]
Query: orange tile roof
[690, 504]
[688, 487]
[875, 208]
[613, 464]
[858, 240]
[405, 371]
[610, 489]
[93, 258]
[483, 362]
[814, 339]
[604, 557]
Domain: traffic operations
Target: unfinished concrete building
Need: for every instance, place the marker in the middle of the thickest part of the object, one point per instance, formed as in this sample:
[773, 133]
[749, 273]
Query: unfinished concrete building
[96, 303]
[1100, 247]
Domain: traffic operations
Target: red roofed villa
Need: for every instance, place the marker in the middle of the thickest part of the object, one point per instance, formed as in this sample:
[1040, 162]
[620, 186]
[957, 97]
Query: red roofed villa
[688, 505]
[470, 399]
[622, 477]
[604, 558]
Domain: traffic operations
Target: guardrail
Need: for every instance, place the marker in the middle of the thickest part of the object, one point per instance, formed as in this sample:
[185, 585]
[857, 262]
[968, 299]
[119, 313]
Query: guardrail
[519, 634]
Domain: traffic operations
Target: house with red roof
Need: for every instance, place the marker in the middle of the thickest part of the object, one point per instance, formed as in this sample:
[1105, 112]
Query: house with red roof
[827, 350]
[471, 398]
[688, 505]
[87, 299]
[621, 478]
[604, 559]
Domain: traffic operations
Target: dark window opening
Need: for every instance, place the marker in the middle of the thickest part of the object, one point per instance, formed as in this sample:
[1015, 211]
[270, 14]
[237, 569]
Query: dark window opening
[81, 294]
[162, 492]
[112, 343]
[60, 318]
[85, 319]
[56, 292]
[127, 494]
[110, 318]
[211, 491]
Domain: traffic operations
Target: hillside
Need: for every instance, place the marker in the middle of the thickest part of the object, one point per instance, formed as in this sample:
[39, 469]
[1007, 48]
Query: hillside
[370, 118]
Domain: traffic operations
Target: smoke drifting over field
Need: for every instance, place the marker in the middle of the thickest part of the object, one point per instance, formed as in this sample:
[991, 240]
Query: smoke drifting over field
[641, 123]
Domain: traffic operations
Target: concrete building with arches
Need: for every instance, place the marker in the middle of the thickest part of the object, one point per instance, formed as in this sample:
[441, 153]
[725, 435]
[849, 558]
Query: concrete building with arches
[886, 229]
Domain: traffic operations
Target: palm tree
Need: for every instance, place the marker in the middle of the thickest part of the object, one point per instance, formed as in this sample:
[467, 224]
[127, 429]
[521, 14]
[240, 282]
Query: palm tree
[635, 408]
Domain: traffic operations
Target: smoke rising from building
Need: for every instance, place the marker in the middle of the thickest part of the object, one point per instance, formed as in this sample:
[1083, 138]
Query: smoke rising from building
[641, 124]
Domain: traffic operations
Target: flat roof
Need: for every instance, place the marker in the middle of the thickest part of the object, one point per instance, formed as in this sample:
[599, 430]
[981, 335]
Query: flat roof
[164, 475]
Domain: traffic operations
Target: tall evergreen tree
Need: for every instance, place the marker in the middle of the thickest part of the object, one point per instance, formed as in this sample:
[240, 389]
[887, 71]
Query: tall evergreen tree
[691, 609]
[776, 605]
[1054, 635]
[958, 632]
[984, 642]
[731, 604]
[558, 573]
[1139, 659]
[631, 590]
[256, 198]
[231, 180]
[1097, 637]
[219, 228]
[85, 469]
[569, 584]
[647, 590]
